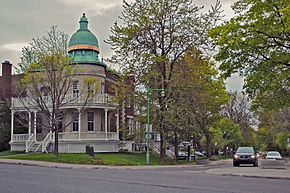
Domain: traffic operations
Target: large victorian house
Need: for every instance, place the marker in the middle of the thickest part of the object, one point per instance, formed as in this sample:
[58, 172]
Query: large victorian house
[97, 125]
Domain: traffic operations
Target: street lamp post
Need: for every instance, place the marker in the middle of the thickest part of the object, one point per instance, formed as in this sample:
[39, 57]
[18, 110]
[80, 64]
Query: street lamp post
[148, 120]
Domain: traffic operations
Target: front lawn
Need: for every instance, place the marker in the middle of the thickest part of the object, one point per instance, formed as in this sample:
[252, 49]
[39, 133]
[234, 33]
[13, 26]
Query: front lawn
[122, 158]
[8, 153]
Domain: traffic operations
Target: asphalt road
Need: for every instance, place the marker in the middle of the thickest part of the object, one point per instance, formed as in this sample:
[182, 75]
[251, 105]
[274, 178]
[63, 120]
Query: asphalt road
[30, 179]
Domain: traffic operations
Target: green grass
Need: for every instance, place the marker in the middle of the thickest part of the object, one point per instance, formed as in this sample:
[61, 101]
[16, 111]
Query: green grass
[8, 153]
[124, 158]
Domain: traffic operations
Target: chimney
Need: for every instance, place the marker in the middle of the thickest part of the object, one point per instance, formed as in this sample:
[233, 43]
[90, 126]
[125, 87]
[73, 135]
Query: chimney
[6, 83]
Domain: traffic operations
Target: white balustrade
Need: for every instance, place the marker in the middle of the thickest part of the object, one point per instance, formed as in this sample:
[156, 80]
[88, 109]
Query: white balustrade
[20, 137]
[69, 99]
[46, 141]
[29, 143]
[88, 136]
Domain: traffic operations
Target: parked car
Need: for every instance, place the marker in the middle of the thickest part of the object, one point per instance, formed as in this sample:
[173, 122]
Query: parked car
[197, 153]
[245, 155]
[182, 155]
[275, 155]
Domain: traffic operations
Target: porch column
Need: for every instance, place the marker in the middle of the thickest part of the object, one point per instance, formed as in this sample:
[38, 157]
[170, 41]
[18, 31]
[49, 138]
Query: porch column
[117, 124]
[12, 124]
[80, 122]
[34, 125]
[106, 122]
[29, 124]
[109, 122]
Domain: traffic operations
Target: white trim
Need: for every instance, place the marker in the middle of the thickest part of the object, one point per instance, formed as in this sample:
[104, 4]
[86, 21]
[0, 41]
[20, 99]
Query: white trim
[106, 122]
[12, 124]
[34, 125]
[29, 123]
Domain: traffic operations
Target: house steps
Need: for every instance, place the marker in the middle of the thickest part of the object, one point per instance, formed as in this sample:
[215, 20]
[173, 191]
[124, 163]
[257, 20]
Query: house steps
[36, 147]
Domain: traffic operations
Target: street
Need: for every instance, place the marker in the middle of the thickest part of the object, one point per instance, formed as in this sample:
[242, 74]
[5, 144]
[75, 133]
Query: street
[21, 178]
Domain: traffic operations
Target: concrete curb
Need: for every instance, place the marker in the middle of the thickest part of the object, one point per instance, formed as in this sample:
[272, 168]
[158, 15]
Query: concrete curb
[79, 166]
[254, 176]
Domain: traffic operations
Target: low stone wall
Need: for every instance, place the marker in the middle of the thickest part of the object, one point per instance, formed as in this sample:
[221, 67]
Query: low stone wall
[17, 146]
[202, 161]
[264, 163]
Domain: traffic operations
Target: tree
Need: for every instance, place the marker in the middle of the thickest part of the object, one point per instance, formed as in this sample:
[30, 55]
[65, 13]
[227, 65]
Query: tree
[4, 127]
[271, 124]
[256, 44]
[227, 134]
[239, 111]
[48, 84]
[53, 42]
[201, 94]
[152, 36]
[281, 140]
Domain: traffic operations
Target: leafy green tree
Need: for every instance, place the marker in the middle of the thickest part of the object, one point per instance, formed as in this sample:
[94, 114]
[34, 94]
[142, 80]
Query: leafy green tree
[53, 42]
[152, 36]
[256, 44]
[281, 140]
[227, 134]
[271, 124]
[201, 94]
[4, 127]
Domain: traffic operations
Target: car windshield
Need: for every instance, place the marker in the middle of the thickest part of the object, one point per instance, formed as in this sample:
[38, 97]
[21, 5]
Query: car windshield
[273, 154]
[245, 150]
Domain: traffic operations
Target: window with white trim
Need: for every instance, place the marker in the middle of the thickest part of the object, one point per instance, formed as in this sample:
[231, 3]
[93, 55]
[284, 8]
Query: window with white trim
[90, 121]
[75, 124]
[75, 89]
[91, 87]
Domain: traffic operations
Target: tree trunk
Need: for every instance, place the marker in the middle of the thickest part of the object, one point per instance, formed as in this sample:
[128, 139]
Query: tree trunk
[175, 143]
[162, 147]
[208, 144]
[56, 142]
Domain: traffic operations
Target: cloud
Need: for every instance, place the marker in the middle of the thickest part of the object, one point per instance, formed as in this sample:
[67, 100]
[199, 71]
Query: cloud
[15, 46]
[98, 7]
[235, 83]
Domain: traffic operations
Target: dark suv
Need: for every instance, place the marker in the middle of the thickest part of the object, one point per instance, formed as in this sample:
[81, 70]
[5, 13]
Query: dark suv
[245, 155]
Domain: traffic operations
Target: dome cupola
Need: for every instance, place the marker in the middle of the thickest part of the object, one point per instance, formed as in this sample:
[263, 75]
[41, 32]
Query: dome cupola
[83, 45]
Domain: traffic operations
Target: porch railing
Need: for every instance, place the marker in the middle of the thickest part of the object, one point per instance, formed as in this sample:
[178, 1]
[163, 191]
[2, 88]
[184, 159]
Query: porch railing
[29, 143]
[46, 141]
[69, 99]
[88, 136]
[20, 137]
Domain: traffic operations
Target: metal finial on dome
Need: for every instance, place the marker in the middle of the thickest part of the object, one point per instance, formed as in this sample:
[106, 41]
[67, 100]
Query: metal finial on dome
[84, 22]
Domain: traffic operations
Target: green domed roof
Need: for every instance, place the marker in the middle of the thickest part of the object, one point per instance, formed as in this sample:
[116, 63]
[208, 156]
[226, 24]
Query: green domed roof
[83, 36]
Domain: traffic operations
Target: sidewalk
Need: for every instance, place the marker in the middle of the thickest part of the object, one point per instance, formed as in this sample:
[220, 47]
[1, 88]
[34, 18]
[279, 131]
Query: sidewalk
[281, 172]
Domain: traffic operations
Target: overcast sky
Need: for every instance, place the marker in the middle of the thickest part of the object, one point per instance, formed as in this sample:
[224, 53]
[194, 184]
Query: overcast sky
[22, 20]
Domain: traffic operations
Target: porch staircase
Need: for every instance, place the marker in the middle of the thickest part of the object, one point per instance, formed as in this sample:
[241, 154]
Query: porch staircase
[36, 147]
[156, 149]
[39, 146]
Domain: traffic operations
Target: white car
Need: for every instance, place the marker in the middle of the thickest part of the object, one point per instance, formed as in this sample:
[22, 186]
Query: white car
[273, 155]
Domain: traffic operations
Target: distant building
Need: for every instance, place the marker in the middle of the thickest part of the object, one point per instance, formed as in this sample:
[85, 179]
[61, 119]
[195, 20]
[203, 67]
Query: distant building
[98, 125]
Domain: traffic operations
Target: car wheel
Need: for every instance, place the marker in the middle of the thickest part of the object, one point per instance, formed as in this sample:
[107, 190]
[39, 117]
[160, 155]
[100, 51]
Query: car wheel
[255, 164]
[235, 164]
